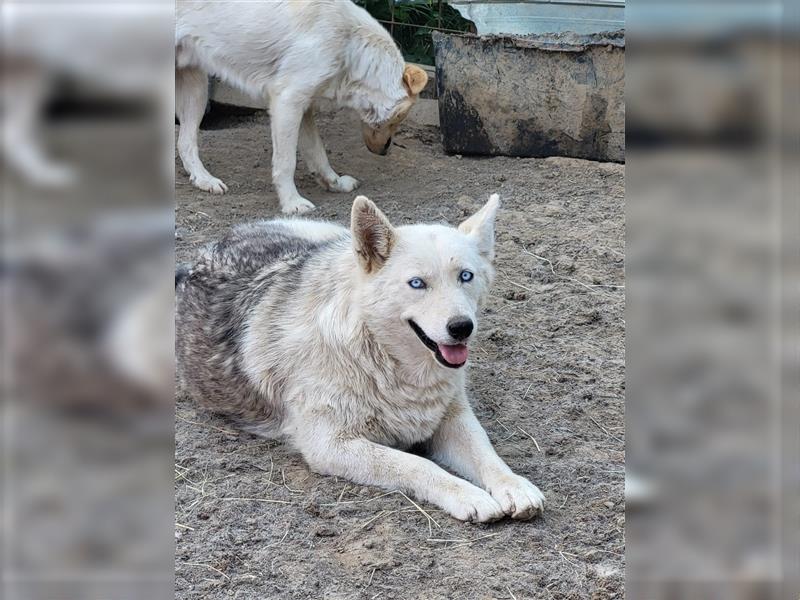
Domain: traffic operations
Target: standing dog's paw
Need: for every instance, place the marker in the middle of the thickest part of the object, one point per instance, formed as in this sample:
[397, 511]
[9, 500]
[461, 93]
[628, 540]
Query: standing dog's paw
[474, 505]
[343, 183]
[517, 496]
[346, 184]
[209, 184]
[297, 206]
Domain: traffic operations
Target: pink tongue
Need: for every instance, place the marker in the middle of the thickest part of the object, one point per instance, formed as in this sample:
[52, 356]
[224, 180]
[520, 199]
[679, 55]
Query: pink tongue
[455, 355]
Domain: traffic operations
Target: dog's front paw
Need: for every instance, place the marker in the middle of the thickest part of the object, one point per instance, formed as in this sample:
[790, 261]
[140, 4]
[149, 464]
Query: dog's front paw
[297, 206]
[474, 505]
[517, 496]
[207, 183]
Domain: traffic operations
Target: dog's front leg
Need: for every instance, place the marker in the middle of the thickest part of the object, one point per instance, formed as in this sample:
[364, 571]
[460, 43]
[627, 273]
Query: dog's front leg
[368, 463]
[286, 112]
[313, 152]
[461, 443]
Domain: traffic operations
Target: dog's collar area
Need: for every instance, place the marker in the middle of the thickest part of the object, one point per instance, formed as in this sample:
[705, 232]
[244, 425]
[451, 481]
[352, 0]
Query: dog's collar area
[433, 346]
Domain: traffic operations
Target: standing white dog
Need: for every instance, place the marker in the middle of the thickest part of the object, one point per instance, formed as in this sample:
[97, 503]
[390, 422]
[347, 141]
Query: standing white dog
[352, 345]
[292, 52]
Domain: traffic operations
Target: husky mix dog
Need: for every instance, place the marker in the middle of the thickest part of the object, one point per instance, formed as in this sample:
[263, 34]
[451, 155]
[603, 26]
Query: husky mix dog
[291, 52]
[351, 344]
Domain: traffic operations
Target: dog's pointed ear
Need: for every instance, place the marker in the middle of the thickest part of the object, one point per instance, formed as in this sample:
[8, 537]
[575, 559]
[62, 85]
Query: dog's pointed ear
[373, 235]
[414, 79]
[480, 226]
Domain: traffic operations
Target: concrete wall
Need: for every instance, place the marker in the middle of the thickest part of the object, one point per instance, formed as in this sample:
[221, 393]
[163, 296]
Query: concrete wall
[543, 16]
[556, 95]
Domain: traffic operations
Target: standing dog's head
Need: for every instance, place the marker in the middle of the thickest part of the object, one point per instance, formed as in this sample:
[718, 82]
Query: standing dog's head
[378, 137]
[422, 285]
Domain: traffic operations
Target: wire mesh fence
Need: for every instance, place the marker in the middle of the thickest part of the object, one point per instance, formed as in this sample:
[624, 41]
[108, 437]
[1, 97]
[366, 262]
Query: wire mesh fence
[411, 22]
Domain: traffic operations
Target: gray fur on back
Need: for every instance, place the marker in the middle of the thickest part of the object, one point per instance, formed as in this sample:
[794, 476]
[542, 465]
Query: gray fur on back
[262, 263]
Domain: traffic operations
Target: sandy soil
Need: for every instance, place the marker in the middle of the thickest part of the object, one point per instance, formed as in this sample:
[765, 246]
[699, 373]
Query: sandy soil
[547, 383]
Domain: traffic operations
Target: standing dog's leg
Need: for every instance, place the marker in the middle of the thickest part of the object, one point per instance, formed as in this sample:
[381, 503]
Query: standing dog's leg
[286, 113]
[24, 87]
[368, 463]
[191, 96]
[313, 152]
[462, 444]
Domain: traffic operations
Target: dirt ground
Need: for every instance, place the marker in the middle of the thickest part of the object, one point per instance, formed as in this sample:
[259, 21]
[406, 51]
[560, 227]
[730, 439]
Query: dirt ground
[547, 382]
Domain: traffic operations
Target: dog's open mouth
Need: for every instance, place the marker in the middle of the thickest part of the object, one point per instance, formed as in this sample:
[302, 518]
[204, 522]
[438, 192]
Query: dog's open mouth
[450, 355]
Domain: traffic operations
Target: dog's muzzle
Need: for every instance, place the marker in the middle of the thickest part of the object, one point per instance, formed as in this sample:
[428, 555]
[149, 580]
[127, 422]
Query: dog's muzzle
[382, 151]
[452, 356]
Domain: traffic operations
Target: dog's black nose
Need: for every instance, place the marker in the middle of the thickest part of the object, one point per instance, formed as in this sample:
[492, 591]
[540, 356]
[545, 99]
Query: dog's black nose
[460, 328]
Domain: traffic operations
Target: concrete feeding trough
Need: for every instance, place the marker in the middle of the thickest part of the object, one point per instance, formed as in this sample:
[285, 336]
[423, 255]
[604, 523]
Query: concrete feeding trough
[535, 96]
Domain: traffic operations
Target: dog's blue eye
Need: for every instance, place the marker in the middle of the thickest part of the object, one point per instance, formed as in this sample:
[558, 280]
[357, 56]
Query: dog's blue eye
[417, 283]
[466, 276]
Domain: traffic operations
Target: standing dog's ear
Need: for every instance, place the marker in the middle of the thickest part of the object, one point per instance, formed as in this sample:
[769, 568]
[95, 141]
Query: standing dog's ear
[414, 79]
[373, 235]
[481, 226]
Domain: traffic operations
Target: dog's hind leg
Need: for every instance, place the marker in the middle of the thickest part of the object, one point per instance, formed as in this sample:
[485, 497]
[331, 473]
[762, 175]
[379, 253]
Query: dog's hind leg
[286, 113]
[313, 152]
[191, 96]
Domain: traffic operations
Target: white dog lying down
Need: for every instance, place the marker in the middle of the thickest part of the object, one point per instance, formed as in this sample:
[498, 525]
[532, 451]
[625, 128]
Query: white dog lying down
[291, 52]
[351, 344]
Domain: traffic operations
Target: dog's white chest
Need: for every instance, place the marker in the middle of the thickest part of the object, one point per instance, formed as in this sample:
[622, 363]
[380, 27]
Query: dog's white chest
[406, 417]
